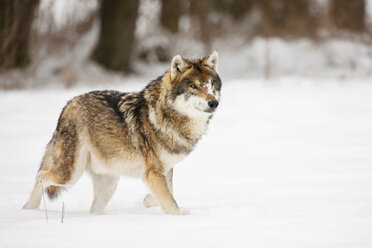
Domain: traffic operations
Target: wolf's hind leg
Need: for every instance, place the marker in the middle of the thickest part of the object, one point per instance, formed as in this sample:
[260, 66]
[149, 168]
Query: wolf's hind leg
[35, 197]
[44, 179]
[104, 188]
[150, 200]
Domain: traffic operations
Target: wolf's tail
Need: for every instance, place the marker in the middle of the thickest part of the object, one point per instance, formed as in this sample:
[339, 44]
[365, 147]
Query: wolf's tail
[53, 192]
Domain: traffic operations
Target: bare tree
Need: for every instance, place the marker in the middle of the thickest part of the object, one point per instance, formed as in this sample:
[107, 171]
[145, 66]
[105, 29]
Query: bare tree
[239, 8]
[170, 14]
[347, 14]
[16, 17]
[287, 18]
[201, 9]
[118, 22]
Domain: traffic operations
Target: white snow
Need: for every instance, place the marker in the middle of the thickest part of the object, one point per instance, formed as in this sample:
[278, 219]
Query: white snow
[285, 163]
[330, 58]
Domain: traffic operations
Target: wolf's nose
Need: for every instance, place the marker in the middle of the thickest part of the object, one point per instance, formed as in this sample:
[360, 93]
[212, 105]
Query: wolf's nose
[213, 104]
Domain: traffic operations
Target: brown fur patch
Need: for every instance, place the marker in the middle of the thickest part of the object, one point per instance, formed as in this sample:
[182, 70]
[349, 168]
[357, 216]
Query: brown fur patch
[53, 192]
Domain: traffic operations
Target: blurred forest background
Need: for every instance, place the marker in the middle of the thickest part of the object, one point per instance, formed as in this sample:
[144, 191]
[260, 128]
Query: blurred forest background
[72, 42]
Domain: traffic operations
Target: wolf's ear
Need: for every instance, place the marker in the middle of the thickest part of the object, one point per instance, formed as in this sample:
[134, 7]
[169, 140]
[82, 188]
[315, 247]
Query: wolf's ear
[178, 65]
[211, 61]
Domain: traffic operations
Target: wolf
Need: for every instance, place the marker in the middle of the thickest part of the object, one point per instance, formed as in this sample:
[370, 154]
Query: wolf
[142, 134]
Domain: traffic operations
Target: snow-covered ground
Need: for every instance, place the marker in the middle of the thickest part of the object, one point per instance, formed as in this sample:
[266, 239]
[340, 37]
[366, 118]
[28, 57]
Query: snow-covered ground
[284, 164]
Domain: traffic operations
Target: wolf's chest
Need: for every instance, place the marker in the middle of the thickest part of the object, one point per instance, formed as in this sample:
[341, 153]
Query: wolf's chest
[169, 160]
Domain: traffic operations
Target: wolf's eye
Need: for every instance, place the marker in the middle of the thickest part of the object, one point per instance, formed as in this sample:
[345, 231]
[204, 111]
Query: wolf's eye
[193, 86]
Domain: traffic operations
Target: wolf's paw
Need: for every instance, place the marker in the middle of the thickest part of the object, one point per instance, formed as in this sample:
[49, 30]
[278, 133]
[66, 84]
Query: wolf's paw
[185, 212]
[150, 201]
[96, 212]
[28, 205]
[173, 211]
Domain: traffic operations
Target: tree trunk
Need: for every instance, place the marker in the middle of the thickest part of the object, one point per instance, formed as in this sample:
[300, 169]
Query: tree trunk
[287, 18]
[16, 18]
[170, 14]
[239, 8]
[200, 9]
[118, 23]
[346, 14]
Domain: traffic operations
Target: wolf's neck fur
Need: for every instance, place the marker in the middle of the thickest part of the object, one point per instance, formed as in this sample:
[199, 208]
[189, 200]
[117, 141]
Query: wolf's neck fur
[182, 130]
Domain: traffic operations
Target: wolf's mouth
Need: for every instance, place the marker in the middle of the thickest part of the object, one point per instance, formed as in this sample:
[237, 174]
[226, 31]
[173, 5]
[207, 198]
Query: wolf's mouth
[210, 111]
[205, 111]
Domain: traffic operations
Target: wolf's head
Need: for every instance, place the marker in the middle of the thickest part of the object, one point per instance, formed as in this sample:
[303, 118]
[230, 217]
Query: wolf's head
[195, 85]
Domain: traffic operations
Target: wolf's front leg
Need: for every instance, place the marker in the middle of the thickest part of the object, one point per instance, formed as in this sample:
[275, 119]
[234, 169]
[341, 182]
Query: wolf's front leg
[150, 200]
[159, 187]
